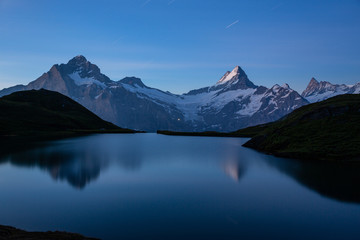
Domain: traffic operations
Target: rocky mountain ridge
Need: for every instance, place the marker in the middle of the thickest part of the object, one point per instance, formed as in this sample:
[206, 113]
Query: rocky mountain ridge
[231, 103]
[319, 91]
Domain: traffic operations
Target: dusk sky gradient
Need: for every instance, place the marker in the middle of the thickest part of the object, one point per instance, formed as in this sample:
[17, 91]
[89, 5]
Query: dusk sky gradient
[179, 45]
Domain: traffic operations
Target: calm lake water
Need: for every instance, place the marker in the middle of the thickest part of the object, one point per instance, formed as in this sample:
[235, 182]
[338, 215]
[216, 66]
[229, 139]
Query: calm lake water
[148, 186]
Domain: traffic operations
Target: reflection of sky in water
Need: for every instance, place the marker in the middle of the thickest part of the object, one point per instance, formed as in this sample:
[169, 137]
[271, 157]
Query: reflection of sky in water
[212, 187]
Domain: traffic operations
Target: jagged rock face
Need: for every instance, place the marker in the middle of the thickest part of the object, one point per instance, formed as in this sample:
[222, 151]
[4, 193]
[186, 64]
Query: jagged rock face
[277, 102]
[312, 87]
[354, 89]
[232, 103]
[236, 79]
[133, 81]
[319, 91]
[249, 107]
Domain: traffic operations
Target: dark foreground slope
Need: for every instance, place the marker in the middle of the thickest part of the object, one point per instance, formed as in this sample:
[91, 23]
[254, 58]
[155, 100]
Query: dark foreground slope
[47, 114]
[327, 130]
[7, 233]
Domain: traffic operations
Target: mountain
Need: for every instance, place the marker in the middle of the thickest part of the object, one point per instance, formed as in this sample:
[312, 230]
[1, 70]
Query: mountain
[40, 113]
[7, 233]
[232, 103]
[65, 164]
[327, 130]
[319, 91]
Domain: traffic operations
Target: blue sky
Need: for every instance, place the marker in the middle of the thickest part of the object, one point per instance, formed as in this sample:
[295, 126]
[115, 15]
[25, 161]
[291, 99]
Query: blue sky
[179, 45]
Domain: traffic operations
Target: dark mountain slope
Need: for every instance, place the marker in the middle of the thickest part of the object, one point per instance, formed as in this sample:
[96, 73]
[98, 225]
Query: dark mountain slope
[38, 113]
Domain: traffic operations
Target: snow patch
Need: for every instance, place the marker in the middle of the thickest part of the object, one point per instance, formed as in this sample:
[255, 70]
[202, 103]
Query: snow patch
[191, 105]
[85, 81]
[228, 76]
[252, 107]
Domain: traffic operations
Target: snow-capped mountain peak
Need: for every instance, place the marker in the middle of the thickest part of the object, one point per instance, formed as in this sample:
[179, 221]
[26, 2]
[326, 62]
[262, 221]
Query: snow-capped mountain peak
[276, 87]
[80, 58]
[313, 81]
[319, 91]
[355, 89]
[312, 87]
[286, 86]
[81, 69]
[234, 102]
[236, 79]
[228, 76]
[79, 62]
[223, 78]
[81, 65]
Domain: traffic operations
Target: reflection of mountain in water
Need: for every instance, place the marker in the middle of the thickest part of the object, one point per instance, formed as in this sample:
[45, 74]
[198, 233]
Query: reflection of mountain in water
[81, 161]
[78, 161]
[339, 181]
[235, 169]
[76, 167]
[78, 172]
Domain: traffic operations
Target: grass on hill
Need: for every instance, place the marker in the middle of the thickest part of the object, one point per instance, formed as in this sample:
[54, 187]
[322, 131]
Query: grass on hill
[48, 114]
[327, 130]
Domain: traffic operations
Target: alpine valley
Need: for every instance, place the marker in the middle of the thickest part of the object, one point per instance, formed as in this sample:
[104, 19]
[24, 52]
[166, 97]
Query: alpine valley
[232, 103]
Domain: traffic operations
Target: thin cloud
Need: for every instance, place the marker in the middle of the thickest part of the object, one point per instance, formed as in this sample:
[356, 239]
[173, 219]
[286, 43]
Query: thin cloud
[145, 3]
[171, 2]
[232, 24]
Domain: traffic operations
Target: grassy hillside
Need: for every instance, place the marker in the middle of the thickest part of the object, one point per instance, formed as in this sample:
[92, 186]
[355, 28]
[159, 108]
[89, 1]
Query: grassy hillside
[327, 130]
[46, 114]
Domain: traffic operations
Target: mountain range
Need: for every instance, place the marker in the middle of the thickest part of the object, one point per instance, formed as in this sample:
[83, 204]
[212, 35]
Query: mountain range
[319, 91]
[232, 103]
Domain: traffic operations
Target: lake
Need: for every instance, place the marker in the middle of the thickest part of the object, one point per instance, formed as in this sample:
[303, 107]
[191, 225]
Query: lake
[149, 186]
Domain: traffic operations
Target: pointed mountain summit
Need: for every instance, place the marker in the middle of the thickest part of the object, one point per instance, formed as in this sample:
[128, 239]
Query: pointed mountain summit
[224, 78]
[237, 72]
[313, 81]
[78, 60]
[286, 86]
[230, 75]
[312, 87]
[81, 64]
[82, 68]
[236, 79]
[232, 103]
